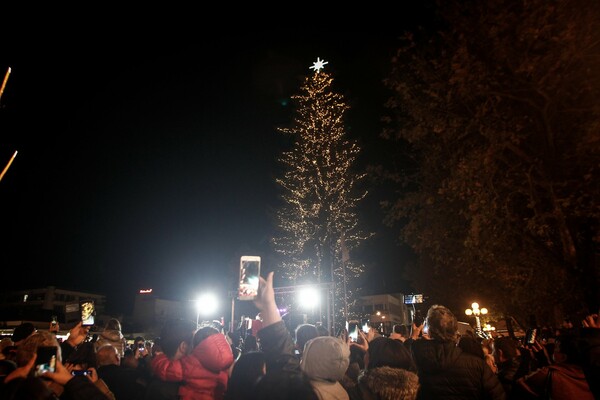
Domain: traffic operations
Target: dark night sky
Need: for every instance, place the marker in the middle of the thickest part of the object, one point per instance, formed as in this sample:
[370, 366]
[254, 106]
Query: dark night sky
[150, 162]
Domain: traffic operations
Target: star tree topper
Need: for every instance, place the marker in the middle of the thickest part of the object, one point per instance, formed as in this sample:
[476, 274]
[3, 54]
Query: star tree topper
[319, 64]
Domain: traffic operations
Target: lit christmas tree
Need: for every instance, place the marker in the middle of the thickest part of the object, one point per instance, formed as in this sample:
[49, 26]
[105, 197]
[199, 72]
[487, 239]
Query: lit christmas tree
[317, 223]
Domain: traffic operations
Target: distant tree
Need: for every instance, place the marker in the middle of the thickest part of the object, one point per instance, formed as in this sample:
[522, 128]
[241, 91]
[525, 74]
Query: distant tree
[319, 192]
[499, 114]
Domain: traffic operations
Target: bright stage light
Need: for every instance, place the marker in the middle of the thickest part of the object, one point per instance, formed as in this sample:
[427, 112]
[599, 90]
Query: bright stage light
[308, 297]
[206, 304]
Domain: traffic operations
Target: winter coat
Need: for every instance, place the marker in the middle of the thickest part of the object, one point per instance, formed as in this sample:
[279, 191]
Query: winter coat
[324, 361]
[445, 371]
[385, 383]
[566, 382]
[204, 372]
[278, 346]
[113, 337]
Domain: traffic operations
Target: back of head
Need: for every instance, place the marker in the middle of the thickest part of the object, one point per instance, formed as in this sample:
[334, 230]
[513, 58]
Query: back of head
[84, 355]
[29, 346]
[507, 345]
[326, 358]
[107, 355]
[386, 352]
[113, 324]
[569, 349]
[203, 333]
[401, 330]
[322, 330]
[304, 333]
[22, 332]
[173, 333]
[441, 323]
[469, 344]
[31, 388]
[250, 344]
[282, 385]
[245, 374]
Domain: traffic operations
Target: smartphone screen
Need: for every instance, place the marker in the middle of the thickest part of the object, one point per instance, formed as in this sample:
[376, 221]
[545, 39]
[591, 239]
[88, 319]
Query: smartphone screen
[88, 310]
[530, 336]
[353, 330]
[249, 277]
[46, 360]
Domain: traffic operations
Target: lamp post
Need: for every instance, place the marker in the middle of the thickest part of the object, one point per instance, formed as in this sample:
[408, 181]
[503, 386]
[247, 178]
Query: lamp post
[476, 311]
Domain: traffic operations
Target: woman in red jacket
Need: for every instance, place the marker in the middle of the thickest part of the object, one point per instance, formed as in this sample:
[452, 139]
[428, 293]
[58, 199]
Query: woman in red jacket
[204, 372]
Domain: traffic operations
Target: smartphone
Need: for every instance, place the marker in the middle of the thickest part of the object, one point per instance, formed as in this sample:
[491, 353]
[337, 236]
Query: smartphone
[46, 360]
[530, 336]
[80, 372]
[413, 299]
[87, 309]
[54, 320]
[249, 277]
[353, 330]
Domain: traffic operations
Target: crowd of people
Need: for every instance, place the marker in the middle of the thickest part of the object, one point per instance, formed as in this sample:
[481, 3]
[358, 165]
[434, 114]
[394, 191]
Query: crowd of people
[427, 361]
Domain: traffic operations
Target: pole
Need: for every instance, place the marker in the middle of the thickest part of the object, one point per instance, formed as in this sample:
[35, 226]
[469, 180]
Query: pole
[231, 328]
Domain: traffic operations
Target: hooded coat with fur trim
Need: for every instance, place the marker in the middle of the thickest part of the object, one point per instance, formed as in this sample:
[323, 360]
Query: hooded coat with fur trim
[324, 361]
[385, 383]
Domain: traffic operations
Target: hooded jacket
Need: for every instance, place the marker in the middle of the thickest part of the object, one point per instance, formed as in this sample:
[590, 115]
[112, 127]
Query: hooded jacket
[114, 337]
[205, 371]
[324, 361]
[445, 371]
[385, 383]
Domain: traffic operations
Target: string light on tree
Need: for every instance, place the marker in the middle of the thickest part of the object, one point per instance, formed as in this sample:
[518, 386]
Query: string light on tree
[319, 192]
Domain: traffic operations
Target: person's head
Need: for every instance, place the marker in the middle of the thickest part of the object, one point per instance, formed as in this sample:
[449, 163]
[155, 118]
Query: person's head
[487, 345]
[325, 358]
[84, 355]
[5, 343]
[138, 342]
[505, 348]
[469, 344]
[250, 344]
[567, 349]
[130, 360]
[441, 324]
[283, 385]
[245, 374]
[203, 333]
[401, 329]
[107, 355]
[322, 330]
[28, 347]
[386, 352]
[304, 333]
[176, 338]
[113, 324]
[22, 332]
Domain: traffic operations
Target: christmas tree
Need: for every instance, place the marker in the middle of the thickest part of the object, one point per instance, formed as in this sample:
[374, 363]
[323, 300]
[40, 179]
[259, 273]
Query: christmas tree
[317, 224]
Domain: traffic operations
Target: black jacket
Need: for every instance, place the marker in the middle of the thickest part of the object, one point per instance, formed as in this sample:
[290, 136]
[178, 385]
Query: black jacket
[445, 372]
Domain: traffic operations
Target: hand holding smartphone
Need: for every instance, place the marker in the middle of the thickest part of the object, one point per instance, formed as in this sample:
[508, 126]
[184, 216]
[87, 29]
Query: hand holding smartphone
[45, 360]
[249, 277]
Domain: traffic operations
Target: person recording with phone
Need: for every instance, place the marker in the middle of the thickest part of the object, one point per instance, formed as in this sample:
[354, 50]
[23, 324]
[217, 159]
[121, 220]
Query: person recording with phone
[54, 379]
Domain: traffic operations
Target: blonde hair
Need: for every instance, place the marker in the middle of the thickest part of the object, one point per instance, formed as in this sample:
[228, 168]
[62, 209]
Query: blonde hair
[29, 346]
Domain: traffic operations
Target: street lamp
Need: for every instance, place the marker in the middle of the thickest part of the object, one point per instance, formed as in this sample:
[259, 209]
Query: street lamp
[476, 311]
[206, 304]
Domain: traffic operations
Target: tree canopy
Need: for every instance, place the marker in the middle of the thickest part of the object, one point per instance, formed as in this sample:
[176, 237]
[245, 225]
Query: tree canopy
[498, 114]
